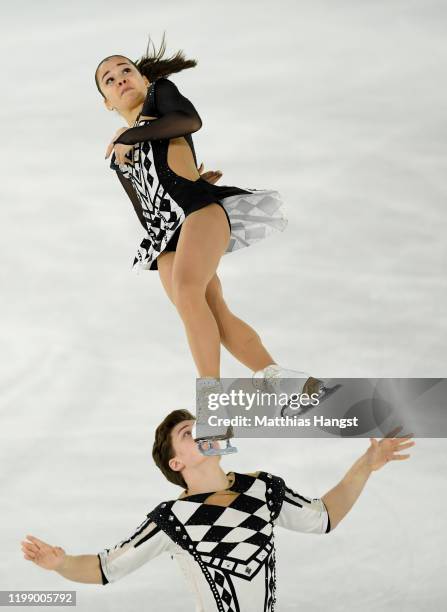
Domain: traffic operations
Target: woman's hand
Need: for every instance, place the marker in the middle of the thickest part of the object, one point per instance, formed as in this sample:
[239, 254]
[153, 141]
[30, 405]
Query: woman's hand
[212, 176]
[379, 453]
[42, 554]
[120, 149]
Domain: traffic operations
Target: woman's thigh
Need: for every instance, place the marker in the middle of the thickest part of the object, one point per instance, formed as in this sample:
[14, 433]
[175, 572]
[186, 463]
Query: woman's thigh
[203, 240]
[165, 263]
[213, 294]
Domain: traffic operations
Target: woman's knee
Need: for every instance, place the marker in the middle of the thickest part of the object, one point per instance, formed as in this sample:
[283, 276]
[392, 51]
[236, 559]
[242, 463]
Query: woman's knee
[187, 291]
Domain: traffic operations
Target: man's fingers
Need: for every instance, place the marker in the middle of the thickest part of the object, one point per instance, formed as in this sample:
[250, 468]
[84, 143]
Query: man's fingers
[36, 541]
[399, 457]
[410, 435]
[29, 553]
[30, 546]
[407, 445]
[393, 432]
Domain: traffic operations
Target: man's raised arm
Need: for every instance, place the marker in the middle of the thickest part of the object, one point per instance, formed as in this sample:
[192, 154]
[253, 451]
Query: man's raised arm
[343, 496]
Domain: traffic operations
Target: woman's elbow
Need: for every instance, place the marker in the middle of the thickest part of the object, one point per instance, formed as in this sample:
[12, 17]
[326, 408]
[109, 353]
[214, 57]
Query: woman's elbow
[196, 124]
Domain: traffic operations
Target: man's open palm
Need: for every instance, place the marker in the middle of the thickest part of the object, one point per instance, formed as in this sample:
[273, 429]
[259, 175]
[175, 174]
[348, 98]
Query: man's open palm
[42, 554]
[379, 453]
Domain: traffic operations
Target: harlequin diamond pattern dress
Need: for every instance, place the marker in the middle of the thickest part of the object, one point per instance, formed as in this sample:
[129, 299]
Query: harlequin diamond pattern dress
[163, 199]
[223, 541]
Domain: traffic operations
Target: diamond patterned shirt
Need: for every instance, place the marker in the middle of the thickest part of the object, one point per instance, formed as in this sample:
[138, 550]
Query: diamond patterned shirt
[223, 541]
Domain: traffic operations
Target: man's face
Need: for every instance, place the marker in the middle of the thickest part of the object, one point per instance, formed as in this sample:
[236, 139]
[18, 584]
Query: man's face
[187, 453]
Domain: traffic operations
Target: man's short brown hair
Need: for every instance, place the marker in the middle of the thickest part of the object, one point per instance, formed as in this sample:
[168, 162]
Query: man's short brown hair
[163, 451]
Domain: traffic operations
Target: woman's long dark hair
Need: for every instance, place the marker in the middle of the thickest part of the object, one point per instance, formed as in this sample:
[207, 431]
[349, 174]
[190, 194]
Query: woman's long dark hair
[154, 65]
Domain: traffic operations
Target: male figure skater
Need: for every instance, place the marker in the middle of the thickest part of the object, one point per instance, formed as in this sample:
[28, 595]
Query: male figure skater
[221, 528]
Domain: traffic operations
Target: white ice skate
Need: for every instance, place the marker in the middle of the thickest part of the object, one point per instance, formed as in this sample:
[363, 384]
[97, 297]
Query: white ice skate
[208, 436]
[281, 381]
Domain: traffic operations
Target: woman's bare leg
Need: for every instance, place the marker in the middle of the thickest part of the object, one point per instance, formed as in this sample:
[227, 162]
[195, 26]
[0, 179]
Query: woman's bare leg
[203, 240]
[241, 340]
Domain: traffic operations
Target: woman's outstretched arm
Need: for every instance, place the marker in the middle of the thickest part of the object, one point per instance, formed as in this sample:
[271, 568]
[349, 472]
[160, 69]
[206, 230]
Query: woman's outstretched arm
[177, 117]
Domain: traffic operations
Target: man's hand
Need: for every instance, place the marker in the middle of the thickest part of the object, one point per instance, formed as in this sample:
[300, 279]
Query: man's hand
[379, 453]
[42, 554]
[120, 149]
[342, 497]
[79, 568]
[212, 176]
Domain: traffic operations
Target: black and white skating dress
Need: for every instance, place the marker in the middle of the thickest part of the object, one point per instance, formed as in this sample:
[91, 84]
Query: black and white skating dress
[162, 199]
[223, 541]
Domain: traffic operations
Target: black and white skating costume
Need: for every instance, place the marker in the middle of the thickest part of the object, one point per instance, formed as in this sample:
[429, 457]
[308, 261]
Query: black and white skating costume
[223, 541]
[162, 199]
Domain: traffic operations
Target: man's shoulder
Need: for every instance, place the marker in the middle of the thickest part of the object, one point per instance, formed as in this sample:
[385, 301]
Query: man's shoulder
[162, 509]
[263, 475]
[273, 484]
[266, 487]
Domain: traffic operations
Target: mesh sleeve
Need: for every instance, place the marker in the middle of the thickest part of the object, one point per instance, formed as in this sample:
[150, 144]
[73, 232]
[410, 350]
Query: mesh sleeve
[177, 117]
[129, 189]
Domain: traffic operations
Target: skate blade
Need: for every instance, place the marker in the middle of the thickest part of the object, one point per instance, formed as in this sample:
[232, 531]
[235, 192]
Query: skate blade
[324, 395]
[212, 452]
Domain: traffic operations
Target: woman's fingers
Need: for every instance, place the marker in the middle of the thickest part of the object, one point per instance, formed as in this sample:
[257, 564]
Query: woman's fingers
[212, 176]
[109, 150]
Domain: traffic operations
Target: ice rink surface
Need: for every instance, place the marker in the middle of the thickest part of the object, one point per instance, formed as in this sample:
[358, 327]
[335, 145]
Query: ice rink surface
[338, 105]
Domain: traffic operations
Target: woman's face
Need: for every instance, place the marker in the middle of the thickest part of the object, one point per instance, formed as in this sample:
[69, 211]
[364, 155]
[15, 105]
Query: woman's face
[123, 86]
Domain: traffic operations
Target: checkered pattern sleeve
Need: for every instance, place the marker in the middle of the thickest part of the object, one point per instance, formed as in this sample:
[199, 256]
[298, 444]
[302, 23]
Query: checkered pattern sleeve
[146, 542]
[176, 117]
[301, 513]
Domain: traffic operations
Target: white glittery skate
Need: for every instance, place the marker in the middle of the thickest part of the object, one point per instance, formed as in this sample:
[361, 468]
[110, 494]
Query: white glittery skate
[208, 436]
[292, 384]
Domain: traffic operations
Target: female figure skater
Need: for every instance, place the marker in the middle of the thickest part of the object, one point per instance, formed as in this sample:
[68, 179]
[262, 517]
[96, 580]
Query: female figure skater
[189, 221]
